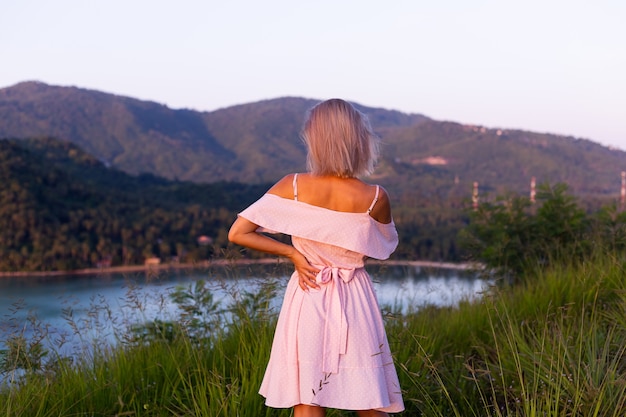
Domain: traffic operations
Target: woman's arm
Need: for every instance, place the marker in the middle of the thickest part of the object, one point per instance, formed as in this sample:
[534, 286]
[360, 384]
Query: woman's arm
[382, 209]
[243, 232]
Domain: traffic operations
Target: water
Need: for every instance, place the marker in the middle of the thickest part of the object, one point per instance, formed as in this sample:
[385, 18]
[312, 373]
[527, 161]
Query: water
[77, 309]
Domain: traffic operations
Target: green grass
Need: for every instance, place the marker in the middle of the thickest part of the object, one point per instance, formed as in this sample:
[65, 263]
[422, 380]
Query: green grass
[555, 346]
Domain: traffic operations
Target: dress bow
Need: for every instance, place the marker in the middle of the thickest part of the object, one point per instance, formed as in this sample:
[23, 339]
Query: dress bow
[333, 280]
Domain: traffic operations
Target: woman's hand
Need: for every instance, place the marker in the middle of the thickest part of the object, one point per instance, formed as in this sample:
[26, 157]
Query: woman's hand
[243, 232]
[306, 272]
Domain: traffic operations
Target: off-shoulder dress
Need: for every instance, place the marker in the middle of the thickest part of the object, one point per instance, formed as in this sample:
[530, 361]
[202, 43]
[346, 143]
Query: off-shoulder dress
[330, 347]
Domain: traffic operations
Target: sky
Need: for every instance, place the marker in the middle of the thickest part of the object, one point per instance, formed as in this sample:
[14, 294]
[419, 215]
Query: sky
[550, 66]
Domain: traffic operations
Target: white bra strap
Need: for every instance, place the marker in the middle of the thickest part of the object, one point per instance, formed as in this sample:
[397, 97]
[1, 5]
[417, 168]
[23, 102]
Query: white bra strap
[295, 186]
[369, 210]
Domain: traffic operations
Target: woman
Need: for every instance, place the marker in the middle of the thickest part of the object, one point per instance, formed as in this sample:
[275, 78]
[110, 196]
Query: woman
[330, 348]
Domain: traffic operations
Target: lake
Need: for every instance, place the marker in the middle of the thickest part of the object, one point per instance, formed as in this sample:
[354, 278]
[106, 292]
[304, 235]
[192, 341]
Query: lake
[75, 310]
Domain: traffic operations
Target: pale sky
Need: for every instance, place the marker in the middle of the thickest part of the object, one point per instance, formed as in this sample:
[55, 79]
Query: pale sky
[556, 66]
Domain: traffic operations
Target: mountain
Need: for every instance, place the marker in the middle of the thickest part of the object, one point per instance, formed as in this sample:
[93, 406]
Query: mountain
[62, 209]
[132, 135]
[89, 178]
[259, 142]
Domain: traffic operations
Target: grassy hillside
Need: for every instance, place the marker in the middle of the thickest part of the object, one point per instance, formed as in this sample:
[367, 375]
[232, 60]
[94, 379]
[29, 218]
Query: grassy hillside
[553, 348]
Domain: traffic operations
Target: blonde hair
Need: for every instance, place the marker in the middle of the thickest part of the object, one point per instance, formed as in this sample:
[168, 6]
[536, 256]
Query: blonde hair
[340, 140]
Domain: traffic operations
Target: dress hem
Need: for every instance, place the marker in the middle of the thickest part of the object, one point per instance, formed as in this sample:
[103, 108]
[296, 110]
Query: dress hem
[385, 409]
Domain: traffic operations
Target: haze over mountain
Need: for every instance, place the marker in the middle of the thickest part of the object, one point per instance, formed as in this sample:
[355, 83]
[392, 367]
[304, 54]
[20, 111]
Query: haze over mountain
[259, 142]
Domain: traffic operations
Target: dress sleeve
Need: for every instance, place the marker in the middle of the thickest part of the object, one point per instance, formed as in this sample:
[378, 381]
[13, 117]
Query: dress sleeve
[353, 231]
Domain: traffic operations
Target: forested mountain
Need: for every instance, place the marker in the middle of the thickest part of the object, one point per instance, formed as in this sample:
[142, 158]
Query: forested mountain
[259, 142]
[124, 180]
[62, 209]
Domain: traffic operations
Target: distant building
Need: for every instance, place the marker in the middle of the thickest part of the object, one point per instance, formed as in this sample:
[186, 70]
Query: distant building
[204, 240]
[152, 261]
[104, 263]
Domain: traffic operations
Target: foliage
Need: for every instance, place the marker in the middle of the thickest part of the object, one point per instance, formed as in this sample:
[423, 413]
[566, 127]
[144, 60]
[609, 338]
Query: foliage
[61, 209]
[609, 228]
[200, 314]
[25, 353]
[554, 347]
[512, 234]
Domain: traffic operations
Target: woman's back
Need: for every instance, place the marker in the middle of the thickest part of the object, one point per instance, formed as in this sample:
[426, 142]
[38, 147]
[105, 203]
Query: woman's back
[349, 195]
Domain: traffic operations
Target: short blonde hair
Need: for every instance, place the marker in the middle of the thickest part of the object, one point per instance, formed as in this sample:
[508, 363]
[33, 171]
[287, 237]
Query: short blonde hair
[340, 140]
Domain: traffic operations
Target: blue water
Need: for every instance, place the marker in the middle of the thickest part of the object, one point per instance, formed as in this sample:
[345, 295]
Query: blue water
[73, 311]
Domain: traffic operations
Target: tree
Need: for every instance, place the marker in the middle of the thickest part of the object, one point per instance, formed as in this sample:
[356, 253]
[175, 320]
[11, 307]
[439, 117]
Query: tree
[511, 234]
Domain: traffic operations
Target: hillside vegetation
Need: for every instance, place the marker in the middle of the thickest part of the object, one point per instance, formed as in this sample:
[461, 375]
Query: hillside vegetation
[62, 209]
[125, 179]
[259, 142]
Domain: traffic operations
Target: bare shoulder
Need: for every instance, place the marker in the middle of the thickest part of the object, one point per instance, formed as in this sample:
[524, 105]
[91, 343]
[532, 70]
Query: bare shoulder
[381, 211]
[284, 187]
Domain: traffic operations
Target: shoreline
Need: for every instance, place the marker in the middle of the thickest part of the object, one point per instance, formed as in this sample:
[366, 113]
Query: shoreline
[219, 263]
[138, 268]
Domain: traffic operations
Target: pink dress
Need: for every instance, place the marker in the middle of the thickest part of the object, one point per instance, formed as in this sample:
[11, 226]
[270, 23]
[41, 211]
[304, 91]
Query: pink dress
[330, 347]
